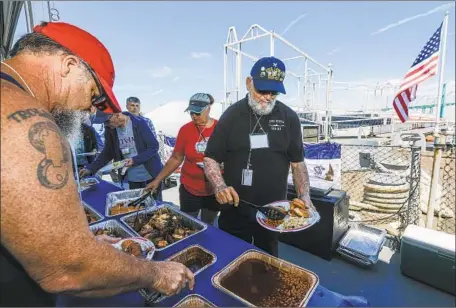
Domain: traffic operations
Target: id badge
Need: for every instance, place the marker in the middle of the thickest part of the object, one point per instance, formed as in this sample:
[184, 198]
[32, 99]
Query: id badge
[201, 147]
[259, 141]
[125, 151]
[247, 177]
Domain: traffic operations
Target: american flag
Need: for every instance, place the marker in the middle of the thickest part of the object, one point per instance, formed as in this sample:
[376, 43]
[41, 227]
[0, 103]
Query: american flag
[424, 67]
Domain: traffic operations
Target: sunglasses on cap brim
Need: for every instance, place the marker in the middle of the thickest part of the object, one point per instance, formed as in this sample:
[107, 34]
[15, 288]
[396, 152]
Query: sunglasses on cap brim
[100, 102]
[198, 113]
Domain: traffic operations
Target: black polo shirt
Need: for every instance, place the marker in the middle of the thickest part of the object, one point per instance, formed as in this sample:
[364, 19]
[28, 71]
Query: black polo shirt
[230, 144]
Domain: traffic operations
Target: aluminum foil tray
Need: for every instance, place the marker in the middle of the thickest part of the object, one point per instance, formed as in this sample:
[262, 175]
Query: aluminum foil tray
[90, 211]
[88, 182]
[195, 257]
[125, 196]
[115, 228]
[187, 220]
[255, 273]
[357, 258]
[363, 240]
[194, 301]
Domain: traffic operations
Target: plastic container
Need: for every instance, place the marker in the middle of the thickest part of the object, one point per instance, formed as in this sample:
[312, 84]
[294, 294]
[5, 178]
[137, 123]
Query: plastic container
[429, 256]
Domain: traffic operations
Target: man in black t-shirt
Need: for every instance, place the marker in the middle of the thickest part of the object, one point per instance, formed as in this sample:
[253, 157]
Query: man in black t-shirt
[257, 139]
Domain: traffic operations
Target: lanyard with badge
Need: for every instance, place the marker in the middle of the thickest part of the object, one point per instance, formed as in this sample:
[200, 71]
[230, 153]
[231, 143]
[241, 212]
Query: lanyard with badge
[201, 143]
[257, 141]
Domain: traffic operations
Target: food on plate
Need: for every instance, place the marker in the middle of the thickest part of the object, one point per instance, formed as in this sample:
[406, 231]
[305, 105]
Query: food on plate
[265, 285]
[294, 223]
[131, 247]
[162, 227]
[273, 223]
[121, 208]
[298, 209]
[297, 203]
[90, 216]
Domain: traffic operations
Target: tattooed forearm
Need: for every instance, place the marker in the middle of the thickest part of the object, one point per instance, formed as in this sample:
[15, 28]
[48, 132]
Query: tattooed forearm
[22, 115]
[214, 174]
[52, 171]
[300, 179]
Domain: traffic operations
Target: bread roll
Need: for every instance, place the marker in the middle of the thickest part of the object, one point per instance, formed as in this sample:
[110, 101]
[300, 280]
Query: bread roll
[298, 203]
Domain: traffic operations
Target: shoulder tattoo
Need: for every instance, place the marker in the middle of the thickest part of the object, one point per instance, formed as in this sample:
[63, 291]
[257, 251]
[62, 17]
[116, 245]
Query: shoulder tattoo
[25, 114]
[52, 170]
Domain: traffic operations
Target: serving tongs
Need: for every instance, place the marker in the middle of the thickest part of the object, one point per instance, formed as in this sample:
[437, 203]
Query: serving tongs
[135, 203]
[271, 212]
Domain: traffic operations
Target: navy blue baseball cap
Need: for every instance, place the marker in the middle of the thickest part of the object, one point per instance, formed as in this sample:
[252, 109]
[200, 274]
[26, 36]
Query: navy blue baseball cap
[198, 102]
[268, 74]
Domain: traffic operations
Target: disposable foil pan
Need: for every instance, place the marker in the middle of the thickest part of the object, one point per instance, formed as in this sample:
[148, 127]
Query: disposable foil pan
[126, 196]
[184, 256]
[363, 240]
[357, 258]
[187, 220]
[87, 183]
[285, 266]
[352, 257]
[113, 226]
[194, 301]
[91, 211]
[147, 247]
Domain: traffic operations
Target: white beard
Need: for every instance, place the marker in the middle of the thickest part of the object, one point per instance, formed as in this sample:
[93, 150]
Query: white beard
[69, 122]
[258, 109]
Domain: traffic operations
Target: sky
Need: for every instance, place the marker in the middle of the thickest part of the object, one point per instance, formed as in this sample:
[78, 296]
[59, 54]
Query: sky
[167, 51]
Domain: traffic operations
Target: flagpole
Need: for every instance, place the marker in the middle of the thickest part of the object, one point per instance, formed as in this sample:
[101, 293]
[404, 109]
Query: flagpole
[441, 70]
[437, 143]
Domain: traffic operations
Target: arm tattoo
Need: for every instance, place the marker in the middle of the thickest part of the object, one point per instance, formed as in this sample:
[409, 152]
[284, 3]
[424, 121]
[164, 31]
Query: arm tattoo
[52, 171]
[214, 174]
[300, 179]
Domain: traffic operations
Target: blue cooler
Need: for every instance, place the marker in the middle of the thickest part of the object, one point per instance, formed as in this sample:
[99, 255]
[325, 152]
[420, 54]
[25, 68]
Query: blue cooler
[429, 256]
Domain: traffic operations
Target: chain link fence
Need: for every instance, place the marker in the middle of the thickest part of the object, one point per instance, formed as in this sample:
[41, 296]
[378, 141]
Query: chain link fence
[383, 183]
[445, 210]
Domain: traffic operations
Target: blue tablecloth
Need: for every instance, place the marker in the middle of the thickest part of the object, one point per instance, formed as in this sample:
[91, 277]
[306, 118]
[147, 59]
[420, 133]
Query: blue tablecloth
[223, 245]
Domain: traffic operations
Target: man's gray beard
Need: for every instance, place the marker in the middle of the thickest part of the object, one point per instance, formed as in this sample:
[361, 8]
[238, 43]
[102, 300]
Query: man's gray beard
[69, 122]
[258, 109]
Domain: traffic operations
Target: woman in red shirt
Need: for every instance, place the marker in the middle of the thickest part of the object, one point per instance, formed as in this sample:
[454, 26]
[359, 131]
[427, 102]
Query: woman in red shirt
[195, 192]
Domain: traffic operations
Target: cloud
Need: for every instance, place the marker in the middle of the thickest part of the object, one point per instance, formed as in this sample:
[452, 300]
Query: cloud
[157, 92]
[294, 22]
[408, 19]
[161, 72]
[335, 50]
[176, 78]
[200, 55]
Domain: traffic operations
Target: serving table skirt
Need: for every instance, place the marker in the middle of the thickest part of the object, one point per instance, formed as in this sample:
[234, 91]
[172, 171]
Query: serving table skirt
[222, 244]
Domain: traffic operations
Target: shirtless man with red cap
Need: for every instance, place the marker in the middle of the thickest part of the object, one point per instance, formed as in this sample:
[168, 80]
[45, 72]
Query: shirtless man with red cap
[55, 75]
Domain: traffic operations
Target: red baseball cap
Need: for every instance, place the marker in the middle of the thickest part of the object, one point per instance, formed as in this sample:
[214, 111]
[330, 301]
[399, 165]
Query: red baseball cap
[90, 50]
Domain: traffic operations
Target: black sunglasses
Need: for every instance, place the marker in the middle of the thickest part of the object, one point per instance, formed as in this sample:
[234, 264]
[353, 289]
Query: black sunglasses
[100, 102]
[272, 93]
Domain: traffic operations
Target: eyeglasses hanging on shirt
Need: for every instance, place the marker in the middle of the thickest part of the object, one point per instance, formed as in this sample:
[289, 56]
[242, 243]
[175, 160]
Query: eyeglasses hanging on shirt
[257, 141]
[201, 143]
